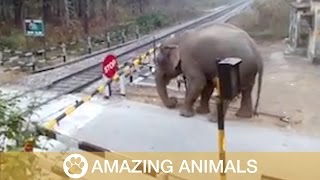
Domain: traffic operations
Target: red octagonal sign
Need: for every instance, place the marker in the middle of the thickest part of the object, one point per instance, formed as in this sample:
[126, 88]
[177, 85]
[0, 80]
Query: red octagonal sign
[110, 66]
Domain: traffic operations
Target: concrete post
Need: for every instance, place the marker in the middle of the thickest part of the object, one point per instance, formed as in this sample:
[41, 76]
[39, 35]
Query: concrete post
[89, 45]
[108, 39]
[299, 29]
[122, 83]
[1, 57]
[107, 92]
[64, 52]
[137, 32]
[314, 40]
[123, 36]
[34, 63]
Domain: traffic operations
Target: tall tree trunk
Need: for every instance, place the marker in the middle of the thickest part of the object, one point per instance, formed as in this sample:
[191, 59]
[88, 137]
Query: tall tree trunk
[86, 17]
[58, 6]
[66, 13]
[18, 4]
[106, 8]
[92, 7]
[45, 10]
[140, 6]
[2, 11]
[77, 5]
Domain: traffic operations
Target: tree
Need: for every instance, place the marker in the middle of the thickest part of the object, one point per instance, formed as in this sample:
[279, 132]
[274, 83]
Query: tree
[18, 7]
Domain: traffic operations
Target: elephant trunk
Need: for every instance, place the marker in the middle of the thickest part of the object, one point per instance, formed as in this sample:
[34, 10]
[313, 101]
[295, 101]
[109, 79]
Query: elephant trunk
[161, 86]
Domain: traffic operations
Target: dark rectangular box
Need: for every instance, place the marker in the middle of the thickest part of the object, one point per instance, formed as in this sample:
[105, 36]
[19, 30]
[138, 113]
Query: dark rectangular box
[229, 77]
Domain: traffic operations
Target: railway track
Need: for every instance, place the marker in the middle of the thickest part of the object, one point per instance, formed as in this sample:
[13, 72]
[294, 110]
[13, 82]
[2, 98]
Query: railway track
[83, 78]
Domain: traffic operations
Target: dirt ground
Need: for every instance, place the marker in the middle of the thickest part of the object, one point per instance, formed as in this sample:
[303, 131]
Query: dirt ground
[9, 76]
[290, 89]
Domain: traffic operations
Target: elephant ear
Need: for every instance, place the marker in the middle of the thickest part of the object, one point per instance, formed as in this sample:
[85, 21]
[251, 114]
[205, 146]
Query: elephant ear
[172, 52]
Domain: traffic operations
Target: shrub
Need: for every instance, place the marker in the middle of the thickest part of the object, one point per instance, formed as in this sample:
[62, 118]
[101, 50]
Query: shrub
[265, 18]
[152, 21]
[14, 130]
[14, 41]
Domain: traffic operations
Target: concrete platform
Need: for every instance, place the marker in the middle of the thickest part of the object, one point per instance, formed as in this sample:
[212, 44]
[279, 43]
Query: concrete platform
[123, 125]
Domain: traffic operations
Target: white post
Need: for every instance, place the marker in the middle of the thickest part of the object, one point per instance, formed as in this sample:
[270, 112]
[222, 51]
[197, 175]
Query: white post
[33, 61]
[89, 45]
[1, 56]
[107, 91]
[122, 83]
[123, 36]
[108, 39]
[64, 52]
[137, 32]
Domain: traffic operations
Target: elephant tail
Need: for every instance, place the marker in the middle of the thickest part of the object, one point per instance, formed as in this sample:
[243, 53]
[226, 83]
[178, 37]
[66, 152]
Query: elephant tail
[259, 90]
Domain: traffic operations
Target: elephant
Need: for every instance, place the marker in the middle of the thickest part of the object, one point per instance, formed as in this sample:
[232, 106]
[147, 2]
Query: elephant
[194, 53]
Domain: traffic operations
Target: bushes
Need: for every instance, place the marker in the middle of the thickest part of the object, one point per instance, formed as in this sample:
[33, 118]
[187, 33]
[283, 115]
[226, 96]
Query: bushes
[152, 21]
[15, 41]
[268, 18]
[14, 124]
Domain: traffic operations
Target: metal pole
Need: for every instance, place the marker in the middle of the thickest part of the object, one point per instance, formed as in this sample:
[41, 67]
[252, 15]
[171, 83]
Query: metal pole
[154, 53]
[221, 134]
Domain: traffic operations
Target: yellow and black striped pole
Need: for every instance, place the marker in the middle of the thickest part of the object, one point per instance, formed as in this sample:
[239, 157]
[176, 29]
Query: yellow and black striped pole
[51, 123]
[221, 135]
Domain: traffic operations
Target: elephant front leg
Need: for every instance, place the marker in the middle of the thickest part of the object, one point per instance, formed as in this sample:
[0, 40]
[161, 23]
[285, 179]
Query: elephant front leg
[206, 94]
[195, 86]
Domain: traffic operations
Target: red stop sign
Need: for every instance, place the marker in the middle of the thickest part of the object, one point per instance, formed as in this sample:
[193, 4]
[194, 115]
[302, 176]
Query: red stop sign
[110, 66]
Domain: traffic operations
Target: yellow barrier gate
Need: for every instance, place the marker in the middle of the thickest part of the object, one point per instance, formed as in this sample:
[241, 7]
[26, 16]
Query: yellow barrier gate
[125, 70]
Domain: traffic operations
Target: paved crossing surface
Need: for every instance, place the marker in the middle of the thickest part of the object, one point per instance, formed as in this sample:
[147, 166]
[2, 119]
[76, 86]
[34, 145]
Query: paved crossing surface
[123, 125]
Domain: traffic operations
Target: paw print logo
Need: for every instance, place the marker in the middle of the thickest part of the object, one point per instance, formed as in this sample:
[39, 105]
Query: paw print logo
[75, 166]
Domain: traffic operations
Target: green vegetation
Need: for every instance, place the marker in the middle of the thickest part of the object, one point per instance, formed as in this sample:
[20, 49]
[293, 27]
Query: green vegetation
[14, 124]
[266, 18]
[104, 16]
[152, 21]
[15, 129]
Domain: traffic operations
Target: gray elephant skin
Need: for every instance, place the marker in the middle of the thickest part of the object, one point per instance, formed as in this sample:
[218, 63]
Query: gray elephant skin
[194, 54]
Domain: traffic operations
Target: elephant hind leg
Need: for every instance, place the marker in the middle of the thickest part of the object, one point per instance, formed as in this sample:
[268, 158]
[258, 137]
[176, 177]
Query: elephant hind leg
[206, 94]
[246, 110]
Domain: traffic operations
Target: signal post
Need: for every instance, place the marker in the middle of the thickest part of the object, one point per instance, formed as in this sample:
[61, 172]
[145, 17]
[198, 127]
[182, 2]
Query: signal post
[228, 86]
